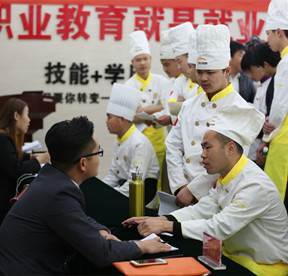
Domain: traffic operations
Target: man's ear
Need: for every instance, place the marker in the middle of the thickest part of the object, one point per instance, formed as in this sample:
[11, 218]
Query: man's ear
[227, 71]
[231, 147]
[82, 164]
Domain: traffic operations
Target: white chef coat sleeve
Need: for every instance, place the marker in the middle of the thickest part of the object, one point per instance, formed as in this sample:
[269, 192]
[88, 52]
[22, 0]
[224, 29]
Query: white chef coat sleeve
[201, 185]
[112, 178]
[279, 106]
[174, 157]
[222, 225]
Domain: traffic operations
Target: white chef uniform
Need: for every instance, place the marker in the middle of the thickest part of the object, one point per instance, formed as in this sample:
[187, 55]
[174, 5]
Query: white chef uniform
[131, 151]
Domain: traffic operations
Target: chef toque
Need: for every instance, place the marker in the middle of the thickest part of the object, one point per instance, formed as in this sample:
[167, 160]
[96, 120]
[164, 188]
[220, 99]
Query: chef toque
[277, 15]
[179, 38]
[123, 101]
[138, 44]
[192, 55]
[241, 124]
[213, 47]
[166, 51]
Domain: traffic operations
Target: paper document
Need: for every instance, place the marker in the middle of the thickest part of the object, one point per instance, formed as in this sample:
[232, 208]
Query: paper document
[152, 236]
[167, 203]
[31, 146]
[145, 116]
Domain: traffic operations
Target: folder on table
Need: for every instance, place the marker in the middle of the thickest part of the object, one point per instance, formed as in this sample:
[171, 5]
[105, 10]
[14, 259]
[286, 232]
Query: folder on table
[188, 265]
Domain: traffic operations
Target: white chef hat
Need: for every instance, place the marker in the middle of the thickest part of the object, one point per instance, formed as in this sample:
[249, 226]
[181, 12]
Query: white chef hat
[166, 51]
[192, 55]
[123, 101]
[277, 15]
[138, 43]
[213, 47]
[242, 124]
[179, 38]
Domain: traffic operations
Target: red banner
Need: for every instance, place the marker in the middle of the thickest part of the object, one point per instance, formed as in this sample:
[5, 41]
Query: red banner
[235, 5]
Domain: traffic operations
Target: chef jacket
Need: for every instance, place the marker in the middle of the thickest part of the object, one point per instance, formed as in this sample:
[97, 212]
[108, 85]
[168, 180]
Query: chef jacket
[131, 151]
[184, 87]
[279, 106]
[245, 211]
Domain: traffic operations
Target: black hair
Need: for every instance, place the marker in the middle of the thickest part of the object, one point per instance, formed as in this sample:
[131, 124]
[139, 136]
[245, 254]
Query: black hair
[224, 140]
[263, 52]
[248, 60]
[68, 140]
[235, 46]
[252, 42]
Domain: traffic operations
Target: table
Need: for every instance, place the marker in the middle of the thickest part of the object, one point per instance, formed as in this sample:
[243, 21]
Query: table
[110, 208]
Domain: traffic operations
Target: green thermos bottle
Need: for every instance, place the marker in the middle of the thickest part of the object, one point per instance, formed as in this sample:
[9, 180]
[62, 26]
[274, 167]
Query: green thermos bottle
[136, 195]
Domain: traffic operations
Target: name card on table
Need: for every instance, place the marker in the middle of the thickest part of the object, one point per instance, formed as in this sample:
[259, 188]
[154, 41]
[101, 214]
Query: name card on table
[212, 252]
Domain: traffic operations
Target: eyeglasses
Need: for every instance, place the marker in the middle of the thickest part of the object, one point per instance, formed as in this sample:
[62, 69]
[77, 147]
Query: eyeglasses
[100, 153]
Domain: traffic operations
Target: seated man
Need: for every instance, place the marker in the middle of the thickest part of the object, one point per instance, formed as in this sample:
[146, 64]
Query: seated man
[245, 210]
[48, 223]
[132, 148]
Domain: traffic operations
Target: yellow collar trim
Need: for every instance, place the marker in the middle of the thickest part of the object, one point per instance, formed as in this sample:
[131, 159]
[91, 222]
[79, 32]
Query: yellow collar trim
[199, 90]
[235, 171]
[127, 134]
[223, 93]
[191, 84]
[180, 75]
[284, 52]
[144, 82]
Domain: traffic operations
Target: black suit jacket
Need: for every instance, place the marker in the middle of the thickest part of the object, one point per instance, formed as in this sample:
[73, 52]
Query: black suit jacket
[48, 224]
[246, 87]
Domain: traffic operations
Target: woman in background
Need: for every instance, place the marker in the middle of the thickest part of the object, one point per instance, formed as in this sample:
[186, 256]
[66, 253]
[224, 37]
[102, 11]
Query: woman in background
[14, 123]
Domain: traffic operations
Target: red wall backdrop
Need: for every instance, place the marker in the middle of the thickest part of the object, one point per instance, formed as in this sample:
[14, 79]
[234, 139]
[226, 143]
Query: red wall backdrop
[236, 5]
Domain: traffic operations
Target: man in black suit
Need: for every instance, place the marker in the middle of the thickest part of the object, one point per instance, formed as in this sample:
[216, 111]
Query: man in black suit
[48, 223]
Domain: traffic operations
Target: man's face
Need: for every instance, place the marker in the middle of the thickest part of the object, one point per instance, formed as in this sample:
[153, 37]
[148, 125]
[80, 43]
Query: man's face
[273, 40]
[235, 61]
[142, 64]
[93, 161]
[213, 81]
[256, 73]
[113, 124]
[192, 72]
[182, 62]
[170, 67]
[214, 155]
